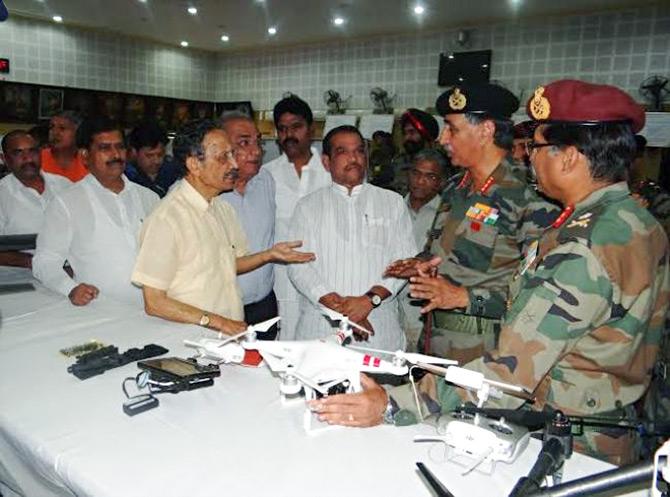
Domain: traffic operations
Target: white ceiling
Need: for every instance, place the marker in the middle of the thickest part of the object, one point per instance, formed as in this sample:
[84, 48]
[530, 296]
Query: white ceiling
[297, 21]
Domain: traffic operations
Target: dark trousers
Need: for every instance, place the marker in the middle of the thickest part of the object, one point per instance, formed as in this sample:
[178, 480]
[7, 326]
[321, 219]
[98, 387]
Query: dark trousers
[262, 311]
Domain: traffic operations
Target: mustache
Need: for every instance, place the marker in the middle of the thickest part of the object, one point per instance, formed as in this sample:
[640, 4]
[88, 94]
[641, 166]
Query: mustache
[232, 174]
[290, 141]
[29, 164]
[115, 162]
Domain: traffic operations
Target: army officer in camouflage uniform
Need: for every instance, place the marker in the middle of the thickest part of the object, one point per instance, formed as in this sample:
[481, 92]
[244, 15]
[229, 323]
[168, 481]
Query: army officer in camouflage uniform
[582, 332]
[487, 216]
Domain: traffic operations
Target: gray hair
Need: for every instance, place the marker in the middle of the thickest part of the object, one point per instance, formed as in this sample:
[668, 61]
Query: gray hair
[504, 129]
[71, 115]
[434, 156]
[233, 115]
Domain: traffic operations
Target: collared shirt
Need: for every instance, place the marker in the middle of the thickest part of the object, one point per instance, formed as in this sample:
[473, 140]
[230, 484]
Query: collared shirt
[189, 248]
[484, 233]
[95, 230]
[167, 175]
[256, 212]
[22, 208]
[588, 313]
[423, 219]
[354, 238]
[289, 189]
[74, 172]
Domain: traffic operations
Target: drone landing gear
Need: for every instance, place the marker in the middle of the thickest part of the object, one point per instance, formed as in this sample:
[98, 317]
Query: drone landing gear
[311, 422]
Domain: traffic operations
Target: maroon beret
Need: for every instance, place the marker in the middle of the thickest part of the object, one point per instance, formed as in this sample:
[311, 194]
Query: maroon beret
[579, 102]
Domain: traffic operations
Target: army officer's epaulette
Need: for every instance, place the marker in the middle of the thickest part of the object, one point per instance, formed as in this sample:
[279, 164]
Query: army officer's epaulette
[580, 227]
[452, 185]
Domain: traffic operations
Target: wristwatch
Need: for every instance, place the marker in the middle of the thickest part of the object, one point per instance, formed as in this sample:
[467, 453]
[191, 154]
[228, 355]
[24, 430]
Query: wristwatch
[204, 320]
[390, 411]
[374, 298]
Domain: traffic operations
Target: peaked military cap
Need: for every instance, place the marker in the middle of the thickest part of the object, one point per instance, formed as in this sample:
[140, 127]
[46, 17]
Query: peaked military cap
[483, 98]
[579, 102]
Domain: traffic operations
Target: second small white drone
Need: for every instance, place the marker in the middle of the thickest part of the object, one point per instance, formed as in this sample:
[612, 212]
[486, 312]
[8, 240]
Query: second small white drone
[475, 441]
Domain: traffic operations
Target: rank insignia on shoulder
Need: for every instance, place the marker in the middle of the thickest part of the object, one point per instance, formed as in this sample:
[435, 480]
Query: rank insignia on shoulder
[581, 222]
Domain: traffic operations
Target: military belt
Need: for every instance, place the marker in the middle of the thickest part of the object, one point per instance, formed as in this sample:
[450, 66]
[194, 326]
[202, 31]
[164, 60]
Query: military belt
[465, 323]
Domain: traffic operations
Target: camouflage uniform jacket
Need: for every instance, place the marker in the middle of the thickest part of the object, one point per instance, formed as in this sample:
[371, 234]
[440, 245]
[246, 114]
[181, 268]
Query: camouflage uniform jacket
[584, 328]
[483, 234]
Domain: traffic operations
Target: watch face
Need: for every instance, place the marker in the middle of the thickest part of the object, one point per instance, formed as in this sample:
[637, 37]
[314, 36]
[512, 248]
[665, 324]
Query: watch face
[204, 320]
[376, 300]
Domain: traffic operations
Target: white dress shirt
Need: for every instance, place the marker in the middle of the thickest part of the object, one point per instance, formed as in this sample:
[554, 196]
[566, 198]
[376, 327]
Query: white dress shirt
[96, 230]
[22, 208]
[354, 238]
[256, 212]
[289, 189]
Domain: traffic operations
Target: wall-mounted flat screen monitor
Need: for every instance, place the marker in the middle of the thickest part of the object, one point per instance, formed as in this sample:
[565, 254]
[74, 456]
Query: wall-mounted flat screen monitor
[464, 67]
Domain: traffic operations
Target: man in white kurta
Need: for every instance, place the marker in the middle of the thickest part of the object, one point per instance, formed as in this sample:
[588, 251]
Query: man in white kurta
[95, 224]
[297, 173]
[355, 229]
[24, 193]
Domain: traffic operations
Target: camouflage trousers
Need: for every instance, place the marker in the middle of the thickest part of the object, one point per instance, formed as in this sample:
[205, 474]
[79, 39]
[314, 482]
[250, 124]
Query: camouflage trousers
[461, 337]
[615, 445]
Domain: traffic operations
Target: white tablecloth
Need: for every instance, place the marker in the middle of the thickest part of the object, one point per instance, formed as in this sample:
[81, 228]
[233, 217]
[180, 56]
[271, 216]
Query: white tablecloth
[63, 436]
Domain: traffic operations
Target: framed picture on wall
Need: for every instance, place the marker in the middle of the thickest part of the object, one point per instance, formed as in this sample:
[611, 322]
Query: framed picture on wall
[17, 103]
[181, 114]
[160, 110]
[51, 102]
[81, 101]
[243, 107]
[134, 110]
[203, 110]
[110, 105]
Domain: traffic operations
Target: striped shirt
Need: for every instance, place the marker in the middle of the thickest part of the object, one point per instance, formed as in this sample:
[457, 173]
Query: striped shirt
[354, 238]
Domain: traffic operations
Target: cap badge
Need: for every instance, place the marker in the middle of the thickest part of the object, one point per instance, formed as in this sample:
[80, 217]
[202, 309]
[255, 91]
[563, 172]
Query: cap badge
[457, 100]
[539, 105]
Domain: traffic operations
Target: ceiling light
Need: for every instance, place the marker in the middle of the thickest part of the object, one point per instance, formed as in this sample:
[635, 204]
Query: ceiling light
[143, 1]
[225, 38]
[57, 19]
[419, 9]
[272, 30]
[192, 10]
[184, 44]
[338, 21]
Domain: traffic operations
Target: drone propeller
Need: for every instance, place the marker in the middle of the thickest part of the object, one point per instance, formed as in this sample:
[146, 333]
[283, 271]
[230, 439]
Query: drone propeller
[254, 328]
[412, 357]
[336, 316]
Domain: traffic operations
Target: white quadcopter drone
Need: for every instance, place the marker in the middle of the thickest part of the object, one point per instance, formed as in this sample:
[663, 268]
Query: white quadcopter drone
[473, 440]
[229, 350]
[324, 366]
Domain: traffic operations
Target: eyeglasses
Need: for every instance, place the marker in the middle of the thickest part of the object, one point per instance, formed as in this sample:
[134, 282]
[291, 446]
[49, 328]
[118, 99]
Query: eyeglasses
[531, 146]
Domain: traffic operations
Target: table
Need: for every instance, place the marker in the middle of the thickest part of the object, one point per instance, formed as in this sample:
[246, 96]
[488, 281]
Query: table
[60, 436]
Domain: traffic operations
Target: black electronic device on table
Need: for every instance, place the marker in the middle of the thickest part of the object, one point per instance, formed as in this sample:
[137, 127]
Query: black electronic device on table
[101, 360]
[173, 374]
